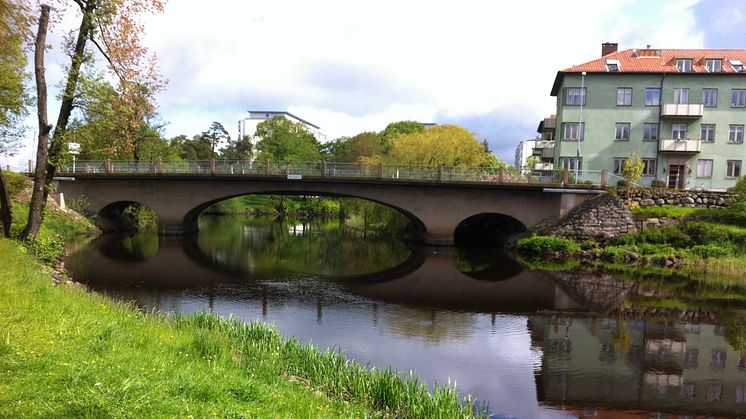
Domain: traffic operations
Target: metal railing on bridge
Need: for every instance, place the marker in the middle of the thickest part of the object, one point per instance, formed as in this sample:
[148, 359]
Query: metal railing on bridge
[300, 170]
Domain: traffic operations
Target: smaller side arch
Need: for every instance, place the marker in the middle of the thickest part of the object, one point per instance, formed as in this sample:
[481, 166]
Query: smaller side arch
[111, 218]
[488, 230]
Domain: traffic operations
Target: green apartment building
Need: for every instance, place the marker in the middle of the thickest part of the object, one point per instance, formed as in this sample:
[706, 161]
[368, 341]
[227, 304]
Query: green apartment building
[683, 110]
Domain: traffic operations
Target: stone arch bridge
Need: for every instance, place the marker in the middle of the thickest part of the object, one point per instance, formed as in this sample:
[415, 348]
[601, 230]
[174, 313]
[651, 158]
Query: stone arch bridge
[435, 206]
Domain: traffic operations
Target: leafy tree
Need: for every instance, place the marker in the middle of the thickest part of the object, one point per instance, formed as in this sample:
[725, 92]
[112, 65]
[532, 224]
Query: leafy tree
[113, 28]
[198, 148]
[238, 150]
[396, 129]
[14, 21]
[214, 135]
[448, 145]
[633, 168]
[330, 149]
[532, 161]
[285, 140]
[737, 203]
[366, 144]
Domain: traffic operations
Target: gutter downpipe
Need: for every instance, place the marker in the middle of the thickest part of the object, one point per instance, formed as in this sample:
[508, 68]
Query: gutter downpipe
[660, 131]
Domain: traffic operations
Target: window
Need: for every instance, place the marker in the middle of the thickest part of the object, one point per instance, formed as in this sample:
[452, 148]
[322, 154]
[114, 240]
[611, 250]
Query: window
[738, 98]
[714, 66]
[618, 165]
[571, 131]
[652, 96]
[570, 163]
[612, 66]
[575, 96]
[649, 132]
[678, 131]
[650, 167]
[624, 96]
[622, 131]
[710, 97]
[737, 65]
[735, 133]
[733, 168]
[704, 168]
[707, 133]
[684, 65]
[681, 96]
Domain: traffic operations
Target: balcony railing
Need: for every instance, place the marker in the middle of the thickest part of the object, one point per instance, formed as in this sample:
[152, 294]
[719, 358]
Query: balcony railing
[675, 110]
[332, 170]
[679, 146]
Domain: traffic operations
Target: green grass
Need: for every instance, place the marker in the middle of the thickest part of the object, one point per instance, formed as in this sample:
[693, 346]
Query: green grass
[65, 352]
[676, 212]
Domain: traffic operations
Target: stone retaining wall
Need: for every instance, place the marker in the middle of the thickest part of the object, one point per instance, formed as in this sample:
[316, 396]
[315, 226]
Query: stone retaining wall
[601, 217]
[683, 198]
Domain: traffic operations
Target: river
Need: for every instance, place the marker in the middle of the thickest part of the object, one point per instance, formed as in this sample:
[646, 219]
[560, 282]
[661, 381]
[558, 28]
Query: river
[531, 344]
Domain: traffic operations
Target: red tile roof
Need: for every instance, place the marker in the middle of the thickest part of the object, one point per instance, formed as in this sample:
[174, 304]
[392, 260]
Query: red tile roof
[661, 60]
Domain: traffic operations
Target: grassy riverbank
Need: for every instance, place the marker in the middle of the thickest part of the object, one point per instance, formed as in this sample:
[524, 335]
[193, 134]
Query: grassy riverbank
[70, 353]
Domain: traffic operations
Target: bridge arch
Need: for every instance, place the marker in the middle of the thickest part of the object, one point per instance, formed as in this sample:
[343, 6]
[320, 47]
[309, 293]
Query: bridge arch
[192, 216]
[487, 229]
[112, 217]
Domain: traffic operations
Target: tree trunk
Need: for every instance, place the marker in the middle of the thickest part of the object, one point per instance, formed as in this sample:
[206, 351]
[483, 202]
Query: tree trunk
[6, 212]
[38, 195]
[66, 107]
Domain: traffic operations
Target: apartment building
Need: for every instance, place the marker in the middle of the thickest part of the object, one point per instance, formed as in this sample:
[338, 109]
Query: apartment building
[247, 126]
[682, 110]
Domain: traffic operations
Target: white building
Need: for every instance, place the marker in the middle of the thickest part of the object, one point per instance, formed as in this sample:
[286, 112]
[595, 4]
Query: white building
[247, 126]
[524, 150]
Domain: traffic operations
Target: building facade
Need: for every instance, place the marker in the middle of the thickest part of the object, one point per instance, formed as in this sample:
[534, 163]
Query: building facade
[683, 111]
[247, 126]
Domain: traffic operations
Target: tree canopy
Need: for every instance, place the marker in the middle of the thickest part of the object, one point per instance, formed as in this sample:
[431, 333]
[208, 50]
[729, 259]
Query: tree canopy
[448, 145]
[366, 144]
[284, 140]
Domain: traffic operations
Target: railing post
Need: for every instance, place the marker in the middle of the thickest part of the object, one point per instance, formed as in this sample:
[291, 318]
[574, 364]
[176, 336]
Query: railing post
[565, 176]
[108, 166]
[266, 167]
[212, 166]
[380, 170]
[500, 175]
[158, 167]
[440, 172]
[323, 168]
[604, 178]
[30, 167]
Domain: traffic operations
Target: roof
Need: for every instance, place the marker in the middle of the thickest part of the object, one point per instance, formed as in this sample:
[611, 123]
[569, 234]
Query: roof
[651, 60]
[284, 113]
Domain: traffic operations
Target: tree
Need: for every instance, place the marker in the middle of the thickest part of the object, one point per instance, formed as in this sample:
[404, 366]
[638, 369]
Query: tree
[330, 149]
[198, 148]
[366, 144]
[396, 129]
[113, 28]
[14, 22]
[238, 150]
[448, 145]
[214, 135]
[285, 140]
[633, 168]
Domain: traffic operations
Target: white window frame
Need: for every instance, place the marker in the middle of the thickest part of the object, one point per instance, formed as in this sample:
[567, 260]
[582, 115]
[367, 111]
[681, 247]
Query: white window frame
[710, 97]
[570, 162]
[621, 131]
[624, 96]
[684, 65]
[681, 96]
[575, 96]
[646, 131]
[650, 99]
[714, 65]
[618, 165]
[735, 134]
[707, 133]
[704, 168]
[738, 98]
[733, 168]
[571, 128]
[650, 166]
[677, 130]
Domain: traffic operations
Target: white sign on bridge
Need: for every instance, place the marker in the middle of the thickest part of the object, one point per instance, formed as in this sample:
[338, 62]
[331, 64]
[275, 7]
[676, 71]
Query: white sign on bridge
[295, 177]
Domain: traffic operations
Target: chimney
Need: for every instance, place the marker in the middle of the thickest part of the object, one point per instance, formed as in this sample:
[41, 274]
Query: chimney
[608, 48]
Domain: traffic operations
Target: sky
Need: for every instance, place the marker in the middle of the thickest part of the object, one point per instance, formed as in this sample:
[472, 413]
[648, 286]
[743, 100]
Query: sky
[355, 66]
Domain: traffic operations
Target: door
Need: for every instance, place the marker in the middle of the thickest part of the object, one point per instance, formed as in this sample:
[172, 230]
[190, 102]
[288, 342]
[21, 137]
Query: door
[676, 176]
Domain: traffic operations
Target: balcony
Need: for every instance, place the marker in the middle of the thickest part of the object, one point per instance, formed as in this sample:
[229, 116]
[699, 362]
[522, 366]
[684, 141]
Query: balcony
[544, 149]
[543, 166]
[679, 146]
[688, 111]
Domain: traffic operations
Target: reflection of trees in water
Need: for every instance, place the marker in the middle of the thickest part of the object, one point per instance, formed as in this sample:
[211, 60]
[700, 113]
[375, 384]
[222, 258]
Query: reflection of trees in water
[325, 247]
[431, 325]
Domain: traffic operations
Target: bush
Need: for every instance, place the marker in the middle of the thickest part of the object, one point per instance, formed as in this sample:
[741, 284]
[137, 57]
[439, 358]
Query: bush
[49, 249]
[622, 183]
[536, 246]
[737, 204]
[657, 183]
[15, 183]
[616, 254]
[665, 235]
[711, 250]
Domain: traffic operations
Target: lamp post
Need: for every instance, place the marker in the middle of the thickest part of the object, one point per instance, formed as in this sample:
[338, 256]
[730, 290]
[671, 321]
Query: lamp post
[580, 126]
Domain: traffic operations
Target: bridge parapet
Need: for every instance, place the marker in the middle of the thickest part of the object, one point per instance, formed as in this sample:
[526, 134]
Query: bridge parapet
[591, 179]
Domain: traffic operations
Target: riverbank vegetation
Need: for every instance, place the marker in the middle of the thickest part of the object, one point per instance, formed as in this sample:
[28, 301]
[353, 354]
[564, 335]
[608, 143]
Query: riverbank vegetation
[67, 352]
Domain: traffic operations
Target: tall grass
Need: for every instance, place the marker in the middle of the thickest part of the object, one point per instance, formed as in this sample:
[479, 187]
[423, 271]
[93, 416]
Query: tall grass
[65, 352]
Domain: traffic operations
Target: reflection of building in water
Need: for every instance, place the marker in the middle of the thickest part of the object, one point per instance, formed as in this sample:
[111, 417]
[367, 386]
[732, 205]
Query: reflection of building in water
[608, 364]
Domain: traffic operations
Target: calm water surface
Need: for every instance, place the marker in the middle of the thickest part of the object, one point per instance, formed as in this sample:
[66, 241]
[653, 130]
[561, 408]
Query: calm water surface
[529, 343]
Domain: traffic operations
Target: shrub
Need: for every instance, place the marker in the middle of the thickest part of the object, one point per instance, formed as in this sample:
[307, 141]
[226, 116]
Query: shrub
[711, 250]
[15, 183]
[665, 235]
[737, 203]
[657, 183]
[543, 245]
[49, 249]
[615, 253]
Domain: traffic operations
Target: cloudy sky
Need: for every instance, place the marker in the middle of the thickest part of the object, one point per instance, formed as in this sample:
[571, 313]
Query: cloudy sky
[353, 66]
